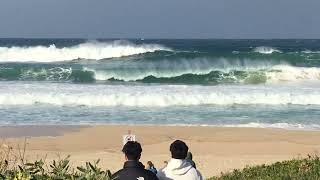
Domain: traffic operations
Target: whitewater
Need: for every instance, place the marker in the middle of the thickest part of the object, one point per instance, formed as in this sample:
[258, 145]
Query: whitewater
[154, 95]
[238, 83]
[89, 50]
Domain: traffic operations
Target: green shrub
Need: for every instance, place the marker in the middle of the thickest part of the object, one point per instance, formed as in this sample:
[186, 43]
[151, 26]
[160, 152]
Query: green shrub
[296, 169]
[58, 170]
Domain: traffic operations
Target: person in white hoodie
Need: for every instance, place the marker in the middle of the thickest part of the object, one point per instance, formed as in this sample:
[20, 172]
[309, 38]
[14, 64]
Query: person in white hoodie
[178, 167]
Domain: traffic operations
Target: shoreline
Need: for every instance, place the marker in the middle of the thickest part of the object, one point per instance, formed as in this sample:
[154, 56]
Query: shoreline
[26, 130]
[215, 149]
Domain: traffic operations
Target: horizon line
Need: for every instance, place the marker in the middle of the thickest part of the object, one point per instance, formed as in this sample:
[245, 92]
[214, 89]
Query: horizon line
[131, 38]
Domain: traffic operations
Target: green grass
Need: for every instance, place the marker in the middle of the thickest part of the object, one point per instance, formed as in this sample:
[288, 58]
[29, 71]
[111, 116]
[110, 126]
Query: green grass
[296, 169]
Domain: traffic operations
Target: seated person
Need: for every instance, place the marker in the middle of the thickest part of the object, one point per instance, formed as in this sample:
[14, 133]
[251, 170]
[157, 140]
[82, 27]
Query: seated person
[133, 169]
[178, 167]
[151, 167]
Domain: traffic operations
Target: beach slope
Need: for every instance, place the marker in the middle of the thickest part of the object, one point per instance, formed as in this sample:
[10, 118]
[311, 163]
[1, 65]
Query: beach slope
[215, 149]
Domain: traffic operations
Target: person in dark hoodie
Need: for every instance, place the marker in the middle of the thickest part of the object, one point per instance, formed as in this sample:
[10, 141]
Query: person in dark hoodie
[133, 169]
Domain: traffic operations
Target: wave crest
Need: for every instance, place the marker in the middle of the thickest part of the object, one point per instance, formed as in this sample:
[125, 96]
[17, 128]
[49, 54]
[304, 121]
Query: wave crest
[266, 50]
[212, 76]
[153, 96]
[90, 50]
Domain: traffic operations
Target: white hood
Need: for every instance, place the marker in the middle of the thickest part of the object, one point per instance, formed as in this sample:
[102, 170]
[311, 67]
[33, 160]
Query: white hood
[179, 169]
[178, 166]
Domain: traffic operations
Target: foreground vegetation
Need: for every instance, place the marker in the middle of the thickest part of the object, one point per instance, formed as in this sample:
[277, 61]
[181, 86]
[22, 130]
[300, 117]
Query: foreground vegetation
[13, 166]
[297, 169]
[58, 170]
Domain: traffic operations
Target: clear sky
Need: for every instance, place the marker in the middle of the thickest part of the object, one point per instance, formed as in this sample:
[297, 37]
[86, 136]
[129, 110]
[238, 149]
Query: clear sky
[160, 18]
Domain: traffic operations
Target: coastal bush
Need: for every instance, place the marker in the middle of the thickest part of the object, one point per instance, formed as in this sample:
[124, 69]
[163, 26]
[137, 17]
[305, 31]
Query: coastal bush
[58, 170]
[38, 170]
[296, 169]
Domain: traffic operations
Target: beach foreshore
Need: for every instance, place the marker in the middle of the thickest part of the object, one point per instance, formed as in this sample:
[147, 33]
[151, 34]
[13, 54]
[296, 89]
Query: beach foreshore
[215, 149]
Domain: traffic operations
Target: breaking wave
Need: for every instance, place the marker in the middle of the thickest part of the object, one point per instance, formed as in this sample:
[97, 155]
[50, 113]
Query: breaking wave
[266, 50]
[90, 50]
[190, 75]
[153, 96]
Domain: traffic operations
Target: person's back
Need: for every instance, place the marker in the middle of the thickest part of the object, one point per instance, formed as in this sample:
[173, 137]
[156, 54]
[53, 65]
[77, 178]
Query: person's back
[133, 169]
[178, 167]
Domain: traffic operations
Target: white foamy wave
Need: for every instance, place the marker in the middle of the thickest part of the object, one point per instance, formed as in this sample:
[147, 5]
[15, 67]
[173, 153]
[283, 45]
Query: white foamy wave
[310, 52]
[89, 50]
[274, 74]
[287, 126]
[169, 68]
[154, 96]
[286, 73]
[276, 126]
[266, 50]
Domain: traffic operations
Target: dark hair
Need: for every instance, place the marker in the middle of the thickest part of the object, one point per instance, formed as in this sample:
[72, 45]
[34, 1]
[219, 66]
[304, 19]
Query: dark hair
[132, 150]
[179, 150]
[150, 164]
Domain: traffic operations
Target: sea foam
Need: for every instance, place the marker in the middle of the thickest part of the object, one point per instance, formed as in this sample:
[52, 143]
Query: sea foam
[266, 50]
[288, 126]
[154, 95]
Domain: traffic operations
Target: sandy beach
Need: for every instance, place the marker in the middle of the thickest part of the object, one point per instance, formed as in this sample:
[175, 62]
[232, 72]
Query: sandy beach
[215, 149]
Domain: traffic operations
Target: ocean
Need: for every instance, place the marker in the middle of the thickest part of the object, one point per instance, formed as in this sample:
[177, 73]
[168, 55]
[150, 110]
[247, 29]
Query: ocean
[232, 83]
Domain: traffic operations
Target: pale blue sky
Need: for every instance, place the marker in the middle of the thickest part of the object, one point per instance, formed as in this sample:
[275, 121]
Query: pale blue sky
[160, 18]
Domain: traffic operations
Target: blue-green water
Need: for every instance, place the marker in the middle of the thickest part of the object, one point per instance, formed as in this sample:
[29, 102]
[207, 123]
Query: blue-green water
[264, 83]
